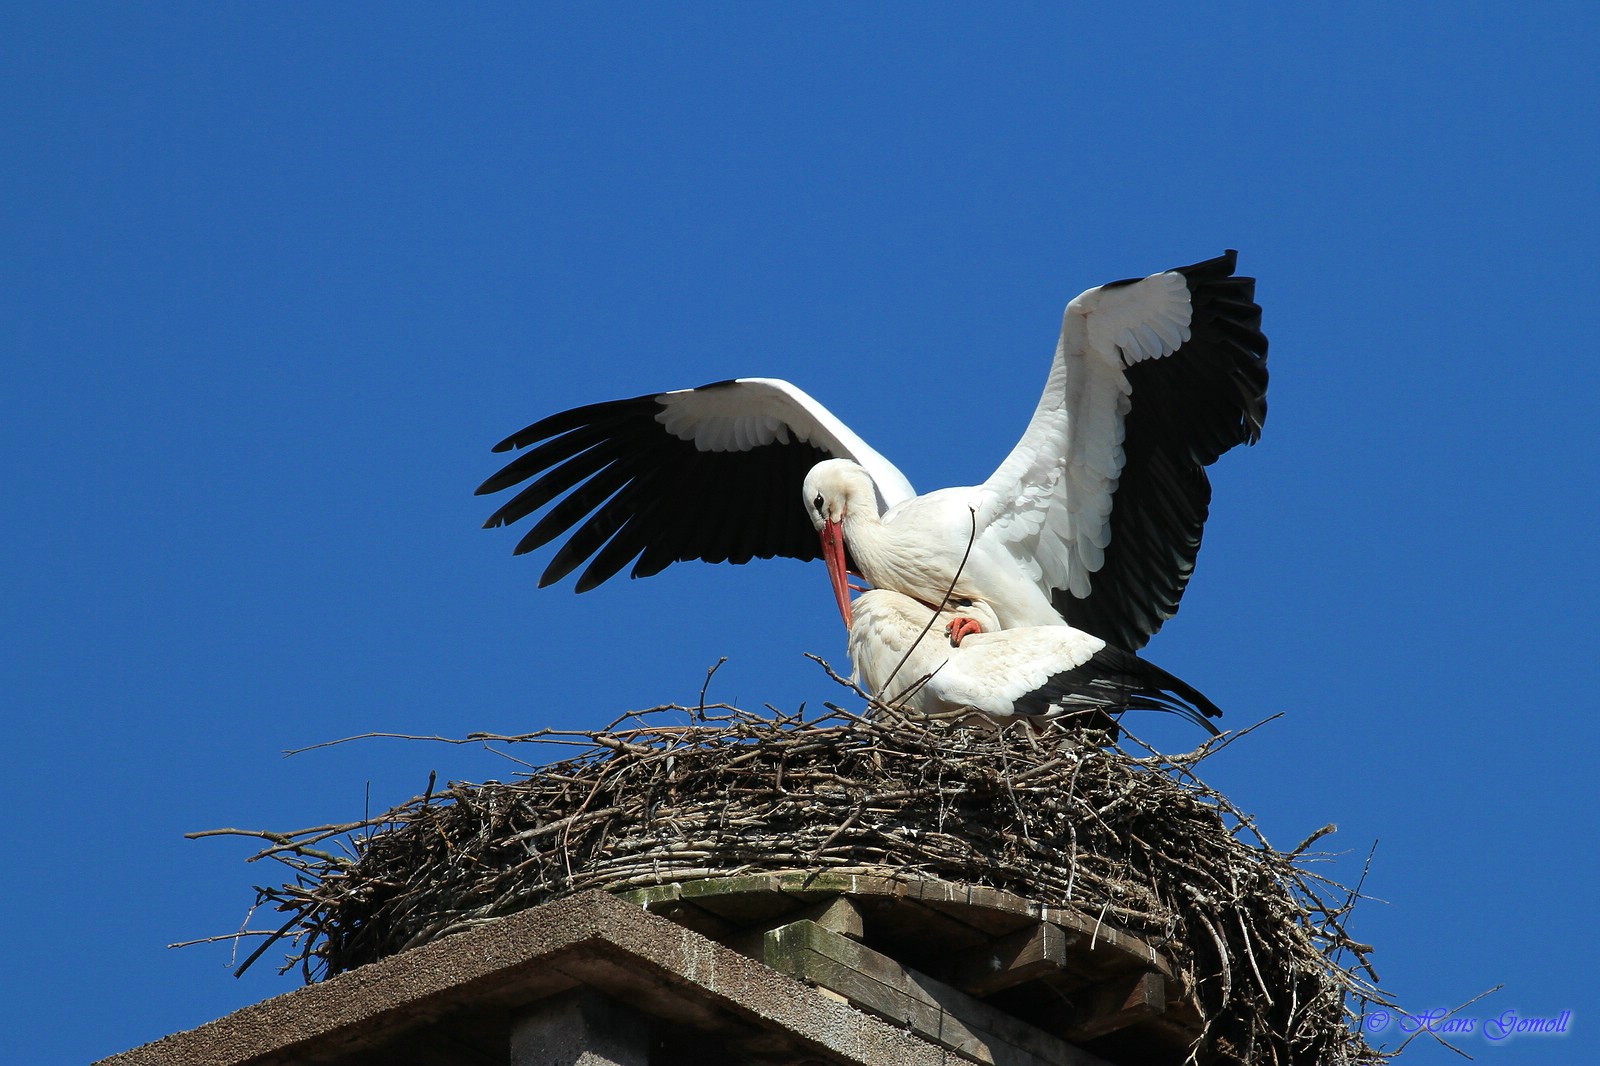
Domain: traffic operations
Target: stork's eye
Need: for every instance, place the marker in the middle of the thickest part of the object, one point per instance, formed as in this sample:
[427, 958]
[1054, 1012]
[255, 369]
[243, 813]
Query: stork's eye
[818, 504]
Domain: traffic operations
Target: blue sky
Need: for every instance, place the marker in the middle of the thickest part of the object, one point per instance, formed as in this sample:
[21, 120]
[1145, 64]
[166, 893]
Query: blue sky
[274, 278]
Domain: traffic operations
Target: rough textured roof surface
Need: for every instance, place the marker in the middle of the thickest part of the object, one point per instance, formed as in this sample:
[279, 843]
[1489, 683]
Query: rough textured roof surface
[454, 1000]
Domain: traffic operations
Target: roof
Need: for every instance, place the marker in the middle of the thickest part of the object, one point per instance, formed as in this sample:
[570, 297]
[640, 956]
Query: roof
[463, 998]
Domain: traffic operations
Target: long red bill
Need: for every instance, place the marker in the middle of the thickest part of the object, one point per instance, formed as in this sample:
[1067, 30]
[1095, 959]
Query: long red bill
[833, 555]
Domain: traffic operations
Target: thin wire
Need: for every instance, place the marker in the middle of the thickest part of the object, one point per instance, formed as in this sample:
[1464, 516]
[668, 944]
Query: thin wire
[943, 603]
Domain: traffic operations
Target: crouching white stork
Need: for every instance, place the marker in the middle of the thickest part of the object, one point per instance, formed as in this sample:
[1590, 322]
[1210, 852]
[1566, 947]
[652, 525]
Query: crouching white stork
[925, 662]
[1094, 519]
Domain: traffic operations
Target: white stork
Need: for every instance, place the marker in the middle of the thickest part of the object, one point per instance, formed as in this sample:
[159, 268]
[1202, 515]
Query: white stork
[1094, 518]
[912, 657]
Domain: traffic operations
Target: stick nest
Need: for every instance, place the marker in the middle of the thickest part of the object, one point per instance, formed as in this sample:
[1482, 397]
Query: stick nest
[677, 794]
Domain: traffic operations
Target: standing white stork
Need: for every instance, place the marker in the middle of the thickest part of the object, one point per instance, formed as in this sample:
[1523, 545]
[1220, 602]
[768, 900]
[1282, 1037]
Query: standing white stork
[1094, 518]
[912, 657]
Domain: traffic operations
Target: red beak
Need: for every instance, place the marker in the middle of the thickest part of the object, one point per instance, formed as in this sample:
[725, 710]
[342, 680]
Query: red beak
[833, 555]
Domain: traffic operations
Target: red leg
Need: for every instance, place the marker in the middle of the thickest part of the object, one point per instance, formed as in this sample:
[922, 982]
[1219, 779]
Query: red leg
[962, 628]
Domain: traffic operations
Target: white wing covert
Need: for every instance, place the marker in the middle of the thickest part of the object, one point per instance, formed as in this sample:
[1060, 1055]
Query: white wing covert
[1050, 501]
[1094, 518]
[712, 473]
[1103, 500]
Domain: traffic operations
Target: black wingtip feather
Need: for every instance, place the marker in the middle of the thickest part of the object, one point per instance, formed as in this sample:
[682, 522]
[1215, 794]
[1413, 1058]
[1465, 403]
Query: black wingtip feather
[1187, 411]
[1149, 687]
[588, 414]
[623, 489]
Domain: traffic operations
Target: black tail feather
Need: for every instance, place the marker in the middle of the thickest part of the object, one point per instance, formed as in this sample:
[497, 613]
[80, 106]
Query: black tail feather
[1115, 680]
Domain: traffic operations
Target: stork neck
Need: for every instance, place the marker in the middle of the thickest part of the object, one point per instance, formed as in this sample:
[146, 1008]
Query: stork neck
[885, 560]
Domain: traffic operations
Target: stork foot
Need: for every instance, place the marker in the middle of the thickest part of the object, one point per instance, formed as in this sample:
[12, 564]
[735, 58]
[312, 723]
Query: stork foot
[960, 629]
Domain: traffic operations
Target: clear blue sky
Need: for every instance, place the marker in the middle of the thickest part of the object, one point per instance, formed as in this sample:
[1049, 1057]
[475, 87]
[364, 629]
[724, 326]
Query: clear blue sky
[273, 279]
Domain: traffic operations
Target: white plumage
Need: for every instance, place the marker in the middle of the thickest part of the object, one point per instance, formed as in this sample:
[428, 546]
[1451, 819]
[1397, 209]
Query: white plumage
[904, 655]
[1093, 519]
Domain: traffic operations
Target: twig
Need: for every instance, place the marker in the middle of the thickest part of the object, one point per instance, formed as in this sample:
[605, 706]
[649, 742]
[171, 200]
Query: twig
[944, 600]
[1136, 842]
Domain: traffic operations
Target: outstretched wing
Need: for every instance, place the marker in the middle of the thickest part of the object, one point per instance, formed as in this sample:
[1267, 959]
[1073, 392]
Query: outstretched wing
[1105, 497]
[712, 473]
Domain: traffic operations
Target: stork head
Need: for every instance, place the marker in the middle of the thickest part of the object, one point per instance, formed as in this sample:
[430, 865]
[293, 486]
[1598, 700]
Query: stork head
[833, 488]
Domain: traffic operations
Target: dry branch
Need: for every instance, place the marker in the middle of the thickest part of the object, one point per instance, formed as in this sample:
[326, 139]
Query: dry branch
[680, 793]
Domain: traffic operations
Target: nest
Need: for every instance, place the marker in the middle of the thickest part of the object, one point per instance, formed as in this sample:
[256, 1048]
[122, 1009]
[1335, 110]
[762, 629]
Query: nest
[675, 794]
